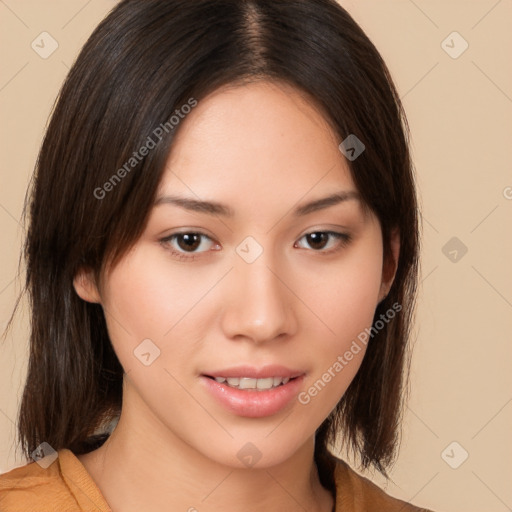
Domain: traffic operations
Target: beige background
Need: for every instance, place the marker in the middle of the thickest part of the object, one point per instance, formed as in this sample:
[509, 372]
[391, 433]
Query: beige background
[460, 115]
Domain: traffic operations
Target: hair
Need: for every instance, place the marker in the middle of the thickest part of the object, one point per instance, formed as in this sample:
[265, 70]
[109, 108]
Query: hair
[144, 61]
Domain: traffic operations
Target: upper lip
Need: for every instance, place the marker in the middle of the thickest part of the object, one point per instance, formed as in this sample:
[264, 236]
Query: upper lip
[264, 372]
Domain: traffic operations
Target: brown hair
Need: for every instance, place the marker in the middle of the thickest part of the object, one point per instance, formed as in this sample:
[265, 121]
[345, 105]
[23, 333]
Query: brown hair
[144, 61]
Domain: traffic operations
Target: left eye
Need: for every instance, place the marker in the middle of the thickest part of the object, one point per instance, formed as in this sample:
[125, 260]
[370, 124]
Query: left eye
[317, 240]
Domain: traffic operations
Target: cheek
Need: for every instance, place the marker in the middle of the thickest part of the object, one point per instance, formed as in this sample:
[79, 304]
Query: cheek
[345, 294]
[144, 301]
[357, 294]
[344, 299]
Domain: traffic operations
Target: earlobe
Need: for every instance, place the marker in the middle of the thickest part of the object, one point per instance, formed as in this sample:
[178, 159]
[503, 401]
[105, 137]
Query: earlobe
[85, 286]
[390, 265]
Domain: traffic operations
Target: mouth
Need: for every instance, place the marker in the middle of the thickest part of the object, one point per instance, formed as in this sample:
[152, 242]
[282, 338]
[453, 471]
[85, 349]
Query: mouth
[254, 392]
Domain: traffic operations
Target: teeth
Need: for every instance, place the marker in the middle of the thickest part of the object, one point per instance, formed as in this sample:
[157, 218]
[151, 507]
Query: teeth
[266, 383]
[250, 383]
[246, 383]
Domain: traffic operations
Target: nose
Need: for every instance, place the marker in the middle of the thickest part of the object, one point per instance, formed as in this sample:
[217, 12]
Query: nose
[258, 304]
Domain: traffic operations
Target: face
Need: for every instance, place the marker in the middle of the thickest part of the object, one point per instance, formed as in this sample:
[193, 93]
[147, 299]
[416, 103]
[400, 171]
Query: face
[255, 286]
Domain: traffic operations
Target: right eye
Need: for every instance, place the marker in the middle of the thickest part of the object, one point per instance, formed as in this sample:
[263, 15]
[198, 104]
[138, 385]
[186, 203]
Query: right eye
[185, 244]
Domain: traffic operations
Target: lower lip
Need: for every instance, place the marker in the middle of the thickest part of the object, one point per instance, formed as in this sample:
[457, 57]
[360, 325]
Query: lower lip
[252, 403]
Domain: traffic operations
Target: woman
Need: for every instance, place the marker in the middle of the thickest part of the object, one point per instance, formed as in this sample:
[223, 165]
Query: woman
[221, 261]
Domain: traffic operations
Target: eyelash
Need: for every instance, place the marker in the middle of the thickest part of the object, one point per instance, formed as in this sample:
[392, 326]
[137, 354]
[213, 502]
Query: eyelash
[343, 238]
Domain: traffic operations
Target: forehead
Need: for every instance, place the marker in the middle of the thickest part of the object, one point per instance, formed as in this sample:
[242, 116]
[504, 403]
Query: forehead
[255, 142]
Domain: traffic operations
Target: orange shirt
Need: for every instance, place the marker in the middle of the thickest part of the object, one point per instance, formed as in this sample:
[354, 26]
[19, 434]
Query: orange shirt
[65, 486]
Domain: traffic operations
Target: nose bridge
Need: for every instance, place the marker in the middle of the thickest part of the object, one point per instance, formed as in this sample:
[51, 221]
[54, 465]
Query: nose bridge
[259, 304]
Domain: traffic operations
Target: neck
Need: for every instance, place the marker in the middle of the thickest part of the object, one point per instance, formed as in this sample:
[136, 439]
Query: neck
[145, 466]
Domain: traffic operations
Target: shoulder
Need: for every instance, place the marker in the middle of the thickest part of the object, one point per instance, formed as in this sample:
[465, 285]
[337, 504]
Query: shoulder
[355, 493]
[61, 487]
[31, 487]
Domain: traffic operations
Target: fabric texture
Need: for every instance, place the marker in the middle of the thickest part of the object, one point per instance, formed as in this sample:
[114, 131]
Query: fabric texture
[66, 486]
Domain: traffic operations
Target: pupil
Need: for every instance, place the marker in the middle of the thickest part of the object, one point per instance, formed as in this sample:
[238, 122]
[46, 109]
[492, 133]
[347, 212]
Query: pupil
[192, 241]
[315, 238]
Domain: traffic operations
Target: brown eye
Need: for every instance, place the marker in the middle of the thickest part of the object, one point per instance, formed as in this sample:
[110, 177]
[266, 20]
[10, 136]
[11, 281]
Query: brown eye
[188, 241]
[186, 244]
[319, 240]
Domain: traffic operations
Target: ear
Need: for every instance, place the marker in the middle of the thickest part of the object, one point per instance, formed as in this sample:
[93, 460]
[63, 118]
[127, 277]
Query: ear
[390, 264]
[85, 286]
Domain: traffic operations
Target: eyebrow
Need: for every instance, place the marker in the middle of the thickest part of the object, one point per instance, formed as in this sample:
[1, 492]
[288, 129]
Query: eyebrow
[215, 208]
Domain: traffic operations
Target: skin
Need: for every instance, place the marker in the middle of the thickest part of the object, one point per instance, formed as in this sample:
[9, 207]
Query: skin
[261, 149]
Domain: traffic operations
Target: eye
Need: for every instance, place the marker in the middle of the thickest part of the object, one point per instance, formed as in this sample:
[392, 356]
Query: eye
[319, 240]
[185, 245]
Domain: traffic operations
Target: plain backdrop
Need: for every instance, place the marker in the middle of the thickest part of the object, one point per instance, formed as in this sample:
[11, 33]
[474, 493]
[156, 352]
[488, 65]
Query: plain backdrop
[451, 63]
